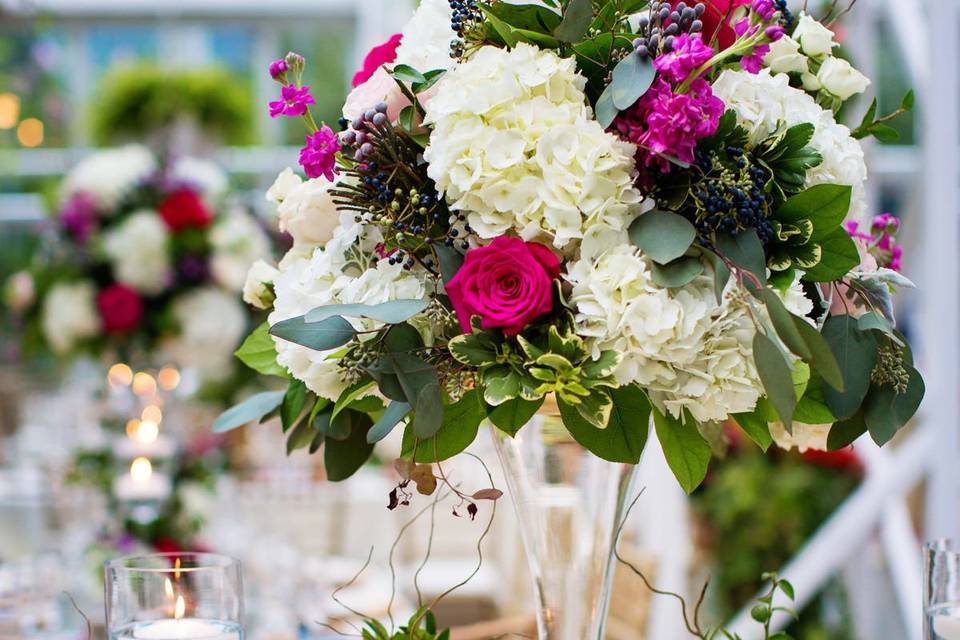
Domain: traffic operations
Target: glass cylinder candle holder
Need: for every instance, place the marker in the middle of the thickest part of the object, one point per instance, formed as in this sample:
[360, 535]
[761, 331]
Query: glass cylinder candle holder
[170, 596]
[941, 591]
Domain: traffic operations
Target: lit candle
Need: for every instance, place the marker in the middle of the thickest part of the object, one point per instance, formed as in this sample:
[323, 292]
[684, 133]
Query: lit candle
[144, 440]
[142, 483]
[181, 628]
[946, 627]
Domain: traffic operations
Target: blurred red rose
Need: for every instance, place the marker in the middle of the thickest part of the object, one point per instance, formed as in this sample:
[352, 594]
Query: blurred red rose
[378, 56]
[120, 308]
[184, 208]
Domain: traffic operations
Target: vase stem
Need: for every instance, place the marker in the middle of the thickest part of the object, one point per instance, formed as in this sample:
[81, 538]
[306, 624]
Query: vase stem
[569, 505]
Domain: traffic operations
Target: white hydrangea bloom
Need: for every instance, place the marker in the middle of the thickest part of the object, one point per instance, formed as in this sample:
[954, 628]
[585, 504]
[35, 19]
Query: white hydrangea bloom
[515, 147]
[330, 276]
[764, 100]
[108, 175]
[212, 323]
[138, 250]
[237, 241]
[685, 349]
[805, 437]
[204, 175]
[69, 315]
[426, 37]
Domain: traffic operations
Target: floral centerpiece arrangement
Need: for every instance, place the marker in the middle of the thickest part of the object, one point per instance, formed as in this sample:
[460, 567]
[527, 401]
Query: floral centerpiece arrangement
[147, 263]
[630, 209]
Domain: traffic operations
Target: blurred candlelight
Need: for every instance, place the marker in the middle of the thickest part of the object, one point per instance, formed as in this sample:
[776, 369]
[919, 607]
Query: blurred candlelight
[169, 378]
[144, 384]
[120, 375]
[152, 413]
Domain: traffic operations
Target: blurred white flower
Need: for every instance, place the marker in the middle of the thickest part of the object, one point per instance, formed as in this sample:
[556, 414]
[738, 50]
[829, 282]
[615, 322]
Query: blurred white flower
[764, 101]
[211, 325]
[138, 249]
[70, 315]
[785, 57]
[256, 289]
[20, 291]
[107, 176]
[839, 78]
[515, 147]
[286, 182]
[203, 175]
[426, 37]
[237, 241]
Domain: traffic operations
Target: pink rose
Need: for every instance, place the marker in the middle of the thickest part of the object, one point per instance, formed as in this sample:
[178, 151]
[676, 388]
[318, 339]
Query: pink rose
[376, 58]
[508, 284]
[381, 87]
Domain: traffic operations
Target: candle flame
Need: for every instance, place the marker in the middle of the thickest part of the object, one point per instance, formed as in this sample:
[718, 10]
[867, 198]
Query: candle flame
[169, 378]
[147, 432]
[168, 588]
[176, 569]
[179, 609]
[152, 413]
[144, 384]
[120, 375]
[141, 469]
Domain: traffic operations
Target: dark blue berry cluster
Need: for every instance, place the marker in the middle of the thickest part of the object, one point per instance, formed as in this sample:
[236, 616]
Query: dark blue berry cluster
[662, 23]
[787, 19]
[731, 196]
[466, 15]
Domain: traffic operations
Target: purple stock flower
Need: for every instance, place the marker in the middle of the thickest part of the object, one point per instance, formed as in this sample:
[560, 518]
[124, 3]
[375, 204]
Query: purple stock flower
[665, 125]
[688, 53]
[764, 8]
[754, 62]
[193, 269]
[79, 216]
[774, 32]
[278, 69]
[886, 221]
[319, 156]
[293, 101]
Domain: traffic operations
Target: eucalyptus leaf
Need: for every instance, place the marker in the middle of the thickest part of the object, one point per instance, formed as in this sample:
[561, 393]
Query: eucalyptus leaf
[678, 273]
[396, 412]
[784, 322]
[885, 411]
[576, 20]
[390, 312]
[320, 336]
[292, 405]
[822, 357]
[746, 251]
[350, 394]
[342, 458]
[631, 78]
[844, 432]
[450, 261]
[605, 111]
[253, 408]
[461, 423]
[662, 236]
[856, 353]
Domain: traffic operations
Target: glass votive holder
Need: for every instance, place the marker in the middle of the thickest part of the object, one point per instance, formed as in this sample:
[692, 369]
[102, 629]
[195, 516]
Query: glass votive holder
[171, 596]
[941, 591]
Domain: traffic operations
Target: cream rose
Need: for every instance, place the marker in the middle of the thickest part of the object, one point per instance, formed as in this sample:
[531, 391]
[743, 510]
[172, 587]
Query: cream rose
[814, 38]
[256, 290]
[785, 56]
[305, 208]
[839, 78]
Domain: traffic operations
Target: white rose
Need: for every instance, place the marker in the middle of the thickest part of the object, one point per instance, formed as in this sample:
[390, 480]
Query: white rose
[21, 291]
[286, 182]
[839, 78]
[256, 290]
[815, 39]
[237, 242]
[308, 213]
[785, 56]
[70, 315]
[138, 250]
[810, 82]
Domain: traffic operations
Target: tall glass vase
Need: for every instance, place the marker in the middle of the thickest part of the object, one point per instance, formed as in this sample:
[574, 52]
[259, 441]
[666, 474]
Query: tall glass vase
[569, 504]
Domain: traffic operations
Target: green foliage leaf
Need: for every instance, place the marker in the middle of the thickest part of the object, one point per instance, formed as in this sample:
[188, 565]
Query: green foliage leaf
[784, 322]
[576, 20]
[826, 205]
[686, 451]
[259, 352]
[461, 422]
[625, 434]
[756, 428]
[812, 407]
[605, 111]
[885, 411]
[450, 261]
[661, 235]
[822, 358]
[677, 273]
[512, 415]
[253, 408]
[350, 394]
[856, 353]
[342, 458]
[474, 349]
[396, 411]
[292, 405]
[391, 312]
[721, 273]
[595, 408]
[320, 336]
[501, 384]
[776, 376]
[746, 251]
[406, 73]
[407, 117]
[838, 256]
[843, 433]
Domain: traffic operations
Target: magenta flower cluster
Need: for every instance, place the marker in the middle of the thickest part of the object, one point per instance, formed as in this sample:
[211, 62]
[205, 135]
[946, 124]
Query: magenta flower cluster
[319, 156]
[881, 240]
[294, 101]
[688, 53]
[665, 125]
[765, 10]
